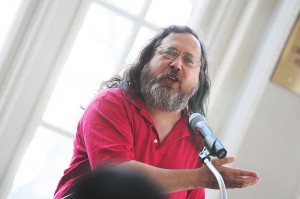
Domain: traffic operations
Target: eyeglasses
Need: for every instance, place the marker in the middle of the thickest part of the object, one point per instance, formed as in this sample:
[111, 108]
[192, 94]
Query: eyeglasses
[172, 53]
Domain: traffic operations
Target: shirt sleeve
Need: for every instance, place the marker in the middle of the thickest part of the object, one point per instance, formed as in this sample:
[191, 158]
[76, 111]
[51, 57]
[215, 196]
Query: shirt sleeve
[105, 130]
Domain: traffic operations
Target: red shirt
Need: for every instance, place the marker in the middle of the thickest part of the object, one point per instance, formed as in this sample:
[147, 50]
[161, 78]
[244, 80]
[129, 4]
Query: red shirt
[117, 128]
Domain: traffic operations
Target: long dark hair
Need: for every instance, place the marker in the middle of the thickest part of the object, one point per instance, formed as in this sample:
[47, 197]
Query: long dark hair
[130, 81]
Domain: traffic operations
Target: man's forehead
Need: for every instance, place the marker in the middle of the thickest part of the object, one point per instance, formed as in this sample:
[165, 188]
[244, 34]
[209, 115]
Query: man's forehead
[184, 35]
[183, 41]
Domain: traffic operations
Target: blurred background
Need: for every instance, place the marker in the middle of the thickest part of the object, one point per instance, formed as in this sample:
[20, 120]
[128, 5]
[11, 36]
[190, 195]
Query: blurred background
[54, 55]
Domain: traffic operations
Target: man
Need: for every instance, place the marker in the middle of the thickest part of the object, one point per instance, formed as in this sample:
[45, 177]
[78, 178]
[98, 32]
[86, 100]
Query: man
[141, 121]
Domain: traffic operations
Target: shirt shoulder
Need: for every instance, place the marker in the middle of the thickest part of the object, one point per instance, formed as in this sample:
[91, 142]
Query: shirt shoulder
[111, 93]
[118, 95]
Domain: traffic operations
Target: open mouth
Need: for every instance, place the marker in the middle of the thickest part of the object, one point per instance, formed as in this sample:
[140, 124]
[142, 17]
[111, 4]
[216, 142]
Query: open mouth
[173, 79]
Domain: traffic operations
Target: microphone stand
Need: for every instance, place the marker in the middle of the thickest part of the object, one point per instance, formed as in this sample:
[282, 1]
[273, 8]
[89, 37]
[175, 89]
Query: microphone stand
[204, 156]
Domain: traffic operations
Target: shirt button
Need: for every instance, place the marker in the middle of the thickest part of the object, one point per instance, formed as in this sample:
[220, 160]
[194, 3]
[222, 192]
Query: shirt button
[155, 141]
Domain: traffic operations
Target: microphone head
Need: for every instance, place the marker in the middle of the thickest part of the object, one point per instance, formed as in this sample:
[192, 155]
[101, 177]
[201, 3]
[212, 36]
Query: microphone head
[194, 119]
[211, 142]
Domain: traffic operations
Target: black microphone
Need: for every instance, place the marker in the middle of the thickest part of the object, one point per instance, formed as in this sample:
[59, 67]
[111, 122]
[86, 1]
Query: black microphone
[198, 123]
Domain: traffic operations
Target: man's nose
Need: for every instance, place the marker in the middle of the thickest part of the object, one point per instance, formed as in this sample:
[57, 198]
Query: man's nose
[177, 63]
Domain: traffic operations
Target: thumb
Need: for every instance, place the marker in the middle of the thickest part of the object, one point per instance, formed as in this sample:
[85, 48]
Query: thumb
[226, 160]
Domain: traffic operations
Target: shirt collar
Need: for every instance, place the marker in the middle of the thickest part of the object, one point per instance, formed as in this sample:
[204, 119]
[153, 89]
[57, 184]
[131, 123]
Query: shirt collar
[138, 103]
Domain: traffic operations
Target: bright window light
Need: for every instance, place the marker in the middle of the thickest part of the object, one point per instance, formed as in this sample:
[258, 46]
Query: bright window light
[42, 166]
[165, 13]
[8, 11]
[131, 6]
[94, 58]
[106, 41]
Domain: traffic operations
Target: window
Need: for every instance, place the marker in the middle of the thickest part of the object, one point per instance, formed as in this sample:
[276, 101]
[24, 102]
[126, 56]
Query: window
[110, 37]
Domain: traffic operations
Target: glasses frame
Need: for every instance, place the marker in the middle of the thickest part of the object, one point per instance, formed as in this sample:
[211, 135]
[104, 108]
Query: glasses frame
[162, 49]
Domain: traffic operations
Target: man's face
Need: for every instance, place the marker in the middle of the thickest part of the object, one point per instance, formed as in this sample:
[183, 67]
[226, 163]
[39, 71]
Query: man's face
[168, 84]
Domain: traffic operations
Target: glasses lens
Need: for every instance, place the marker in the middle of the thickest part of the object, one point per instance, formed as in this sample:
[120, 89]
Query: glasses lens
[189, 60]
[170, 53]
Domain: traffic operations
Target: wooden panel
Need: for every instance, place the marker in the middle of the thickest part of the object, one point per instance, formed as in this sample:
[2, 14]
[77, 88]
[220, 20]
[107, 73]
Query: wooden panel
[287, 72]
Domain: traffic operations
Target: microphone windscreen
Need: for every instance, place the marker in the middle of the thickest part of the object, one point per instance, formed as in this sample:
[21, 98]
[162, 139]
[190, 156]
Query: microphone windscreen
[194, 119]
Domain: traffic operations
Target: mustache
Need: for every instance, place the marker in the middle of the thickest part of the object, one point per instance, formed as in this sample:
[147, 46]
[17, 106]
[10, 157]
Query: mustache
[169, 73]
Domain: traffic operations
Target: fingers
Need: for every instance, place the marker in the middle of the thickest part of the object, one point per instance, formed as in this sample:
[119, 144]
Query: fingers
[233, 178]
[234, 182]
[240, 182]
[238, 178]
[218, 163]
[231, 172]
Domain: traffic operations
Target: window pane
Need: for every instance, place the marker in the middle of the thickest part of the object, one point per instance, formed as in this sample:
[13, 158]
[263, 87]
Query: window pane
[98, 51]
[95, 56]
[131, 6]
[143, 36]
[8, 11]
[167, 12]
[42, 167]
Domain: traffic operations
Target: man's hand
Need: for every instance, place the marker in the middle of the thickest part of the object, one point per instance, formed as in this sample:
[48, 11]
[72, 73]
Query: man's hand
[233, 178]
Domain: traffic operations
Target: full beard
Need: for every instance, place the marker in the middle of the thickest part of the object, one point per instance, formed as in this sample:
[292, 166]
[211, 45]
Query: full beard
[162, 97]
